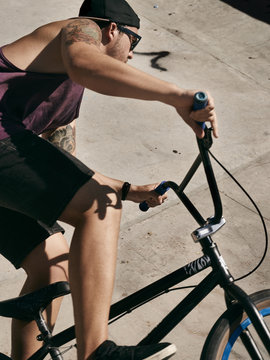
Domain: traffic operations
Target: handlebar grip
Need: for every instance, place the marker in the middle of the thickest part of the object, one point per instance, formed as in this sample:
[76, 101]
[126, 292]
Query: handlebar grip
[200, 102]
[161, 189]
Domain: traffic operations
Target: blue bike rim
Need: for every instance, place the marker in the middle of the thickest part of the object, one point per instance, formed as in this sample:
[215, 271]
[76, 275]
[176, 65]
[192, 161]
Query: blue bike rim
[237, 332]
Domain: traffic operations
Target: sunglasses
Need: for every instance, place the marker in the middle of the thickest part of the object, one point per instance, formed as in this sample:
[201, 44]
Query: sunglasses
[133, 37]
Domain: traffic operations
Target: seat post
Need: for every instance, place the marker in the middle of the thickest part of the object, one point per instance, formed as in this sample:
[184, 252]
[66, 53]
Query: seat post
[46, 335]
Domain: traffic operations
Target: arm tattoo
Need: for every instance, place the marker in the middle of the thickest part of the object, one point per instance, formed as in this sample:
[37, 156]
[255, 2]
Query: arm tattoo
[64, 137]
[82, 30]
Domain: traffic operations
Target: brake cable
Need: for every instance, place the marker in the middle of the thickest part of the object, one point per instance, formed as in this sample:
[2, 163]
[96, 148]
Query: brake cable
[258, 212]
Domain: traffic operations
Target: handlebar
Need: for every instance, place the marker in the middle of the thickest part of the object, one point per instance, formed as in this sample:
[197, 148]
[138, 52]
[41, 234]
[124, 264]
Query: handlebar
[200, 101]
[161, 189]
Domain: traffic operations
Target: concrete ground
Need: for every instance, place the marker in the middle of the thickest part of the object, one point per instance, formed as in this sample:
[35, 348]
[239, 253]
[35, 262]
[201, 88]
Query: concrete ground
[205, 45]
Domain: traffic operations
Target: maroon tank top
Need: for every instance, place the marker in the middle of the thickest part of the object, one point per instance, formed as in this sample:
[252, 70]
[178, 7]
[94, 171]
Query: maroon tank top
[35, 101]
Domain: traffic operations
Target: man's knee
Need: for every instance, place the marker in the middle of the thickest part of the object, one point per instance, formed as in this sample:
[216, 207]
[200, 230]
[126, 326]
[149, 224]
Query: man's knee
[93, 198]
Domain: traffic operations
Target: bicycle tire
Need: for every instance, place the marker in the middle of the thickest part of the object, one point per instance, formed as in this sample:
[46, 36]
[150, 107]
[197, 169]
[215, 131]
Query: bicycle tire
[222, 339]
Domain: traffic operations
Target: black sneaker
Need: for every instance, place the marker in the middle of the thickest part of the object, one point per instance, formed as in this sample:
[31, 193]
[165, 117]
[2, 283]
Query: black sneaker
[110, 351]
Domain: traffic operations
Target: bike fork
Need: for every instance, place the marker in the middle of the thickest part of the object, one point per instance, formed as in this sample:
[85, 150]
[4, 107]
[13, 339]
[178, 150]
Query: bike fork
[250, 345]
[234, 292]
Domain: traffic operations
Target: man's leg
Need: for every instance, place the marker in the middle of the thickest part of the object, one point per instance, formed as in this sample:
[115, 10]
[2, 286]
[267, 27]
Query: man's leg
[95, 211]
[46, 264]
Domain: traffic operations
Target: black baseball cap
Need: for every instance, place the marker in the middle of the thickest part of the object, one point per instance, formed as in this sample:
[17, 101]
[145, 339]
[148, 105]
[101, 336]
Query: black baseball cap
[118, 11]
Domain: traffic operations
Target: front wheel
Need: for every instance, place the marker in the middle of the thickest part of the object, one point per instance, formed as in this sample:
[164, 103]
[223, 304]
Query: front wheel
[224, 342]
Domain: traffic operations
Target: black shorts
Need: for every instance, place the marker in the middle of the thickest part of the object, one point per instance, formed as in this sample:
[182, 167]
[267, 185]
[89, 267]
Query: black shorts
[37, 181]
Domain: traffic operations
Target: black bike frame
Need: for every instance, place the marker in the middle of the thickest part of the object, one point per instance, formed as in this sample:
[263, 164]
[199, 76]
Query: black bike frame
[219, 275]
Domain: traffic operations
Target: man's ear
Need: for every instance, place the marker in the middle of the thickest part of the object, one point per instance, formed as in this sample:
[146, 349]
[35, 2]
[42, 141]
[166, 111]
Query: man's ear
[109, 32]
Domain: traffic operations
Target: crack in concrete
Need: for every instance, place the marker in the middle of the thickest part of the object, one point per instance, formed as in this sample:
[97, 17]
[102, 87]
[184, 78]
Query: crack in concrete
[244, 206]
[217, 58]
[180, 35]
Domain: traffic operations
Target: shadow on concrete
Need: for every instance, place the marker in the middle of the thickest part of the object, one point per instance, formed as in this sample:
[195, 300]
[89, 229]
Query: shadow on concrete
[259, 9]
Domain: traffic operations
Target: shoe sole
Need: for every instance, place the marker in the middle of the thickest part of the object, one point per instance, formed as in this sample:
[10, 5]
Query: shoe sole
[164, 354]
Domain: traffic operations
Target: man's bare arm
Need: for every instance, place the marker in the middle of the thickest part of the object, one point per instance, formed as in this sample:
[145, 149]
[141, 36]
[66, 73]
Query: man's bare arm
[64, 137]
[82, 30]
[87, 63]
[89, 66]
